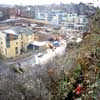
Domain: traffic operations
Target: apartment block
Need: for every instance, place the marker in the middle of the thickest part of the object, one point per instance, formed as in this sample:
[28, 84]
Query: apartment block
[14, 41]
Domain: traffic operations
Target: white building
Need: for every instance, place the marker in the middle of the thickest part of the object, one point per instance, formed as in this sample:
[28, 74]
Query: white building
[76, 22]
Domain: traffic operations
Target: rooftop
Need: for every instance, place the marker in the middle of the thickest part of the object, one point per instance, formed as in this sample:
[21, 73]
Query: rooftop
[37, 43]
[19, 30]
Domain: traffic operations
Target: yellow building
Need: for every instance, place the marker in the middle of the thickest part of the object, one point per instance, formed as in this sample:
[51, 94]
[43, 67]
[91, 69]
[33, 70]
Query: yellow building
[14, 41]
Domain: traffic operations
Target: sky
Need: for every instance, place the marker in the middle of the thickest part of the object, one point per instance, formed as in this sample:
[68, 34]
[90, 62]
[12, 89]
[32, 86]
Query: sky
[41, 2]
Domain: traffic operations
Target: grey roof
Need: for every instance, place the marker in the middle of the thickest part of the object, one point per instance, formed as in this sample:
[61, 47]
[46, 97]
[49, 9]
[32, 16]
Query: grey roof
[18, 30]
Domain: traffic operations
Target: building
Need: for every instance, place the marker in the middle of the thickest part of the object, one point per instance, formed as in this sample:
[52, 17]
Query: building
[7, 12]
[25, 11]
[38, 46]
[54, 17]
[4, 13]
[76, 22]
[72, 21]
[14, 41]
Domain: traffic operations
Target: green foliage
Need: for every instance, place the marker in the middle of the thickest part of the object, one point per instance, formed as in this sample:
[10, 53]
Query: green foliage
[21, 88]
[77, 72]
[96, 21]
[2, 57]
[17, 69]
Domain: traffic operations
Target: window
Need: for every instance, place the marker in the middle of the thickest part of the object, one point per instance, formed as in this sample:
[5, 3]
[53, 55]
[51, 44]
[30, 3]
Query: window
[8, 41]
[16, 50]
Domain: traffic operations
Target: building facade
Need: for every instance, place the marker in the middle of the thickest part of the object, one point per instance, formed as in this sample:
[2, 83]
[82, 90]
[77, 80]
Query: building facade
[14, 41]
[76, 22]
[4, 13]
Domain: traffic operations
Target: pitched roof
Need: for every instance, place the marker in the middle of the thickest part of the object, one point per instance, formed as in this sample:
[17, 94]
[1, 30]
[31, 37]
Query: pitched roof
[19, 30]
